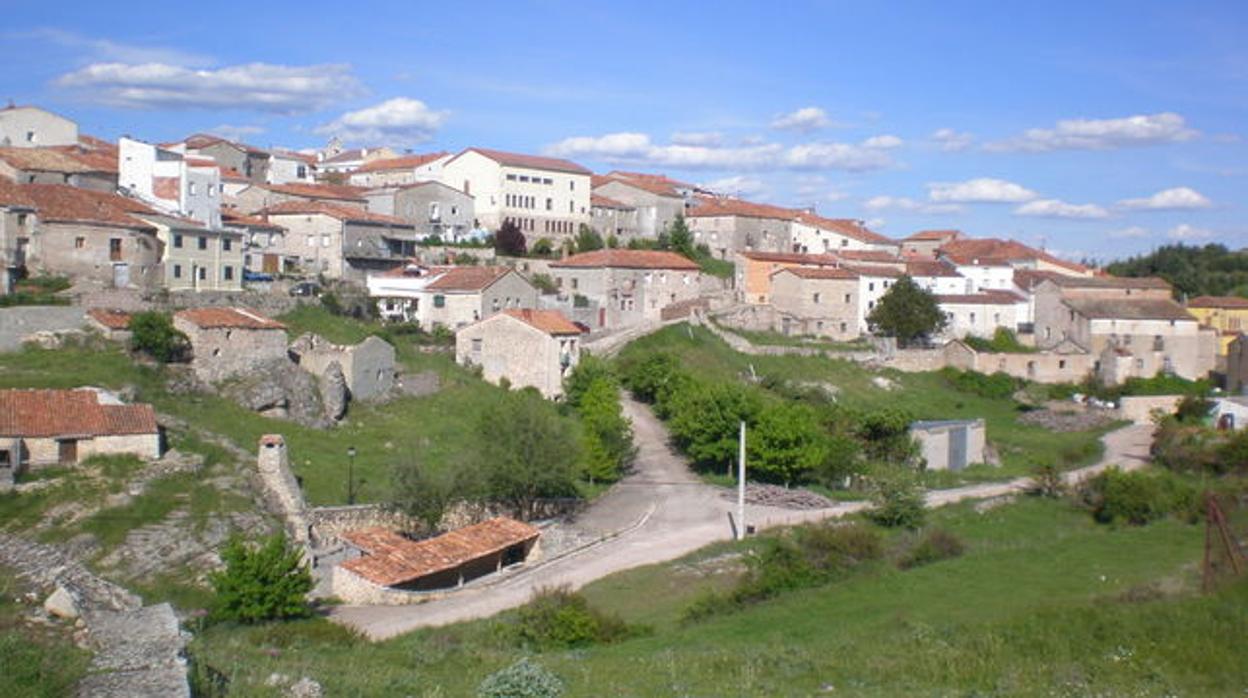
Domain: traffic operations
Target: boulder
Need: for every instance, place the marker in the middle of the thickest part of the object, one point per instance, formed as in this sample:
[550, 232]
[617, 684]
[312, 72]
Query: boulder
[280, 389]
[306, 688]
[333, 385]
[62, 604]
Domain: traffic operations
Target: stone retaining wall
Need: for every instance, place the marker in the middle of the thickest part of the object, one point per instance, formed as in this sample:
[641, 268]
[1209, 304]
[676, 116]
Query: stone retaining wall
[1139, 408]
[16, 324]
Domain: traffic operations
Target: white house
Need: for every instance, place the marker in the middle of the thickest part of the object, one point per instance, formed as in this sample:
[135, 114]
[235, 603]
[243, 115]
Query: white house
[980, 314]
[937, 277]
[449, 296]
[170, 181]
[817, 235]
[32, 127]
[545, 197]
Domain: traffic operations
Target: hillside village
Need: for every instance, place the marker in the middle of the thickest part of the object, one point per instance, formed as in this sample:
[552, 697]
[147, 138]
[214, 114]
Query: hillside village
[349, 327]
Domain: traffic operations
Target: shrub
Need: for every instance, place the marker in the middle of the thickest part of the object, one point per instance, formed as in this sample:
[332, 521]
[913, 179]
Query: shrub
[559, 618]
[543, 248]
[997, 385]
[1193, 409]
[270, 582]
[1046, 481]
[543, 282]
[937, 544]
[153, 333]
[524, 679]
[651, 378]
[833, 548]
[1003, 341]
[1137, 497]
[897, 499]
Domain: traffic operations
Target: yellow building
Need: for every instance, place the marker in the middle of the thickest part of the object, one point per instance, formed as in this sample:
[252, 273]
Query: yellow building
[1226, 314]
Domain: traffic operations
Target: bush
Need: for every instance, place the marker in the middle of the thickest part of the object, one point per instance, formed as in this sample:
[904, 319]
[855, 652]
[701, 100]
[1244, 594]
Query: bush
[936, 545]
[997, 385]
[1137, 497]
[1003, 341]
[833, 548]
[897, 499]
[559, 618]
[543, 282]
[1046, 481]
[524, 679]
[270, 582]
[543, 248]
[1193, 409]
[153, 334]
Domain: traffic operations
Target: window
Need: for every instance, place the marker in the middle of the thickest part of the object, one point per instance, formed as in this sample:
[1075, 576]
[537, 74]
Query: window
[1061, 363]
[114, 249]
[30, 136]
[844, 242]
[454, 210]
[842, 327]
[848, 297]
[548, 181]
[325, 240]
[190, 188]
[871, 286]
[203, 242]
[177, 241]
[972, 318]
[476, 346]
[815, 298]
[439, 301]
[311, 241]
[203, 273]
[550, 204]
[79, 243]
[494, 304]
[511, 178]
[571, 207]
[571, 185]
[574, 280]
[524, 178]
[301, 171]
[177, 271]
[21, 220]
[228, 273]
[225, 244]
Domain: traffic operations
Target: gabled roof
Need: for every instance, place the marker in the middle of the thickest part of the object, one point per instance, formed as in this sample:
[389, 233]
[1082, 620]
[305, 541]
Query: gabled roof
[112, 319]
[654, 184]
[628, 259]
[998, 252]
[653, 178]
[1128, 309]
[64, 204]
[390, 559]
[552, 322]
[406, 162]
[13, 195]
[600, 201]
[875, 270]
[234, 218]
[1225, 302]
[466, 278]
[239, 318]
[822, 273]
[1144, 282]
[793, 258]
[532, 162]
[332, 192]
[63, 413]
[990, 297]
[844, 226]
[199, 141]
[46, 160]
[930, 268]
[934, 235]
[713, 207]
[343, 213]
[876, 256]
[1028, 279]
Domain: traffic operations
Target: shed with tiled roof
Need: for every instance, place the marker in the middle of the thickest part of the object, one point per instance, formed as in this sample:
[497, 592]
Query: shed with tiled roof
[228, 342]
[44, 427]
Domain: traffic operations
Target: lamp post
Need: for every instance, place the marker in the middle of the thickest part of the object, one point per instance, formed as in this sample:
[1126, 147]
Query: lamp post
[350, 474]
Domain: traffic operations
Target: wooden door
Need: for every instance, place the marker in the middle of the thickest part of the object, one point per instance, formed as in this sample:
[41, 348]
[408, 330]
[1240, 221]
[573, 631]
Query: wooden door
[67, 451]
[271, 264]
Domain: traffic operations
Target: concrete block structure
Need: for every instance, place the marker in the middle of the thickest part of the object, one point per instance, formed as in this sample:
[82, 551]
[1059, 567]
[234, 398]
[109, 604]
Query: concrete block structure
[529, 348]
[49, 427]
[950, 444]
[227, 342]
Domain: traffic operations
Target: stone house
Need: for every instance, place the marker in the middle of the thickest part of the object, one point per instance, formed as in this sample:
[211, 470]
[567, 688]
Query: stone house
[89, 235]
[990, 263]
[336, 162]
[529, 348]
[980, 314]
[32, 127]
[925, 244]
[250, 161]
[1064, 363]
[654, 202]
[17, 222]
[950, 444]
[449, 296]
[260, 239]
[339, 242]
[67, 165]
[544, 197]
[432, 208]
[368, 367]
[1228, 315]
[754, 271]
[287, 167]
[613, 218]
[113, 324]
[196, 257]
[731, 226]
[49, 427]
[813, 233]
[630, 286]
[817, 301]
[258, 197]
[399, 172]
[228, 342]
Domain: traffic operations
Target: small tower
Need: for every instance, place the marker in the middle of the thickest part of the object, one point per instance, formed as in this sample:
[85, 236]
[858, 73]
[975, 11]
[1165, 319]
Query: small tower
[273, 458]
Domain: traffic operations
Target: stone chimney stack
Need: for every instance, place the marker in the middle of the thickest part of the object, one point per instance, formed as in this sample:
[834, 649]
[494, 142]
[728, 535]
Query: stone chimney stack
[273, 458]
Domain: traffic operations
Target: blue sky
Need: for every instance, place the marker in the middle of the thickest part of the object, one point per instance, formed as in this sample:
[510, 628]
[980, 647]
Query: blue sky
[1097, 129]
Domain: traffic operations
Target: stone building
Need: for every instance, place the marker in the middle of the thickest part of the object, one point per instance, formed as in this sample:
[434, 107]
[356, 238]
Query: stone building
[113, 324]
[257, 197]
[630, 286]
[925, 244]
[449, 296]
[49, 427]
[17, 222]
[613, 219]
[227, 342]
[816, 301]
[58, 166]
[1064, 363]
[529, 348]
[260, 239]
[1237, 366]
[340, 242]
[754, 271]
[432, 208]
[951, 444]
[250, 161]
[196, 257]
[170, 181]
[544, 197]
[401, 171]
[654, 203]
[980, 314]
[1228, 315]
[813, 233]
[32, 127]
[367, 367]
[732, 226]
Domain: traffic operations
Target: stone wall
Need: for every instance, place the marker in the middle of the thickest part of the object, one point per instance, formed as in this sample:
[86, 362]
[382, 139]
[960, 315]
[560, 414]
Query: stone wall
[368, 366]
[281, 489]
[16, 324]
[1042, 367]
[326, 524]
[219, 353]
[1139, 408]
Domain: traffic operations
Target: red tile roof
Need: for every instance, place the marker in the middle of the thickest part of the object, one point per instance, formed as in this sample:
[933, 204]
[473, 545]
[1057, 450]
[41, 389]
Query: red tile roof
[406, 162]
[14, 195]
[935, 235]
[647, 176]
[390, 559]
[1143, 282]
[600, 201]
[532, 162]
[711, 207]
[64, 204]
[818, 272]
[1129, 309]
[238, 219]
[343, 213]
[112, 319]
[95, 159]
[60, 413]
[874, 270]
[551, 322]
[994, 251]
[931, 268]
[45, 160]
[793, 258]
[655, 184]
[877, 256]
[240, 318]
[1228, 302]
[466, 278]
[982, 298]
[844, 226]
[333, 192]
[628, 259]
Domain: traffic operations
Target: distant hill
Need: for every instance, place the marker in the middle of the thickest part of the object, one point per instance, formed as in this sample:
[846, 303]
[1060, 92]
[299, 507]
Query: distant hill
[1212, 270]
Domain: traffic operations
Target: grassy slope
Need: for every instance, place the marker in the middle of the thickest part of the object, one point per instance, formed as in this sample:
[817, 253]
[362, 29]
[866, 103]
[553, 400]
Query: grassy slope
[926, 395]
[35, 661]
[1034, 607]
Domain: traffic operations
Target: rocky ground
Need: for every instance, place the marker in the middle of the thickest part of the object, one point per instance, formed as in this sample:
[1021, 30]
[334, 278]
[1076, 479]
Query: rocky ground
[780, 497]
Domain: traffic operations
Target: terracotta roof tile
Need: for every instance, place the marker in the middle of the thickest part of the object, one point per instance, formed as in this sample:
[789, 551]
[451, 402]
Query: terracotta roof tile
[551, 322]
[406, 162]
[712, 207]
[793, 258]
[875, 270]
[935, 235]
[1144, 282]
[333, 192]
[466, 278]
[65, 204]
[1228, 302]
[14, 195]
[112, 319]
[653, 178]
[628, 259]
[343, 213]
[995, 251]
[600, 201]
[52, 413]
[390, 559]
[877, 256]
[982, 298]
[930, 269]
[844, 226]
[532, 162]
[655, 184]
[1129, 309]
[44, 160]
[238, 219]
[241, 318]
[818, 272]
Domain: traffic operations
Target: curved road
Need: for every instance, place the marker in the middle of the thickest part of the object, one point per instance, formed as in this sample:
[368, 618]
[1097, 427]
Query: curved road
[662, 511]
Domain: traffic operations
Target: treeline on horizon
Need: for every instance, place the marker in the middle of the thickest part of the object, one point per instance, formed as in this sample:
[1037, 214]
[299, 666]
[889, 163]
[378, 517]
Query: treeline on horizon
[1211, 270]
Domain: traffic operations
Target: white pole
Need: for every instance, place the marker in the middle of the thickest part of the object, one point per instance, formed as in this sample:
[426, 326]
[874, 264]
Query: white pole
[741, 485]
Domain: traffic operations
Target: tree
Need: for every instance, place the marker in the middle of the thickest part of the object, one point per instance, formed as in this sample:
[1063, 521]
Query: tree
[588, 370]
[786, 444]
[525, 451]
[652, 378]
[543, 248]
[907, 312]
[897, 496]
[268, 582]
[588, 239]
[509, 240]
[681, 240]
[705, 419]
[609, 448]
[425, 493]
[153, 333]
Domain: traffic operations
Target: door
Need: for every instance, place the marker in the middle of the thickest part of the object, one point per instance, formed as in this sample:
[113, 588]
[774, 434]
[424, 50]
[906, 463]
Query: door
[121, 275]
[67, 451]
[957, 448]
[271, 264]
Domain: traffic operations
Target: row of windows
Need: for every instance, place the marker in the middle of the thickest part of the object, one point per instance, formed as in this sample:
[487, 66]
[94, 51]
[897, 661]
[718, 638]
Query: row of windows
[521, 223]
[559, 226]
[311, 241]
[201, 242]
[212, 189]
[529, 202]
[534, 180]
[818, 298]
[227, 272]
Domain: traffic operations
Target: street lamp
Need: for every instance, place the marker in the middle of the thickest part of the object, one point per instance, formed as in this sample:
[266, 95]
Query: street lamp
[350, 474]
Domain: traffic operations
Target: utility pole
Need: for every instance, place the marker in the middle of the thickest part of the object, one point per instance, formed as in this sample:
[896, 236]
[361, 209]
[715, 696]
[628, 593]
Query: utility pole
[350, 475]
[741, 485]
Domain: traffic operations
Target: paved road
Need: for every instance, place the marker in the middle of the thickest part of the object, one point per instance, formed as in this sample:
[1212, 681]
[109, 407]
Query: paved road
[664, 513]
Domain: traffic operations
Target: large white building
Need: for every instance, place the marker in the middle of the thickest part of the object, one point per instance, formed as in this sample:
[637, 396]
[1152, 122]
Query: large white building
[545, 197]
[32, 127]
[170, 181]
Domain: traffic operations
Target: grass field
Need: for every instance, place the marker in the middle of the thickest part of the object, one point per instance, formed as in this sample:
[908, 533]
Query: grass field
[35, 661]
[1044, 602]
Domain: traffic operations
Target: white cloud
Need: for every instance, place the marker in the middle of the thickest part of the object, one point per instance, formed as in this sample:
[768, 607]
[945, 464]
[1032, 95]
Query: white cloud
[739, 185]
[884, 142]
[707, 138]
[106, 50]
[1176, 199]
[398, 121]
[255, 86]
[1184, 231]
[817, 188]
[903, 203]
[952, 141]
[1101, 134]
[637, 148]
[235, 133]
[803, 120]
[1134, 231]
[1055, 208]
[979, 190]
[875, 223]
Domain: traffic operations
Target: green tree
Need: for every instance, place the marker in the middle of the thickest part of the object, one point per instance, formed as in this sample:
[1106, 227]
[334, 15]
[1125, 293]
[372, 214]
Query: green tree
[267, 582]
[153, 333]
[897, 498]
[652, 379]
[525, 452]
[425, 493]
[609, 448]
[681, 239]
[509, 240]
[907, 312]
[705, 419]
[543, 248]
[786, 444]
[588, 239]
[588, 370]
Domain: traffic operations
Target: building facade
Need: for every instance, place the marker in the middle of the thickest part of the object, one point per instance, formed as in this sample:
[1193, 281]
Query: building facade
[528, 348]
[32, 127]
[544, 197]
[228, 342]
[449, 296]
[817, 301]
[630, 286]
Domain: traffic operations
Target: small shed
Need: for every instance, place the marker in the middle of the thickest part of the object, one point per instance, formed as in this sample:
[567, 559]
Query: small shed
[950, 444]
[1230, 413]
